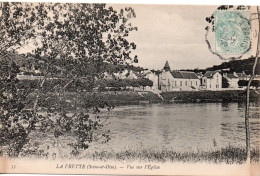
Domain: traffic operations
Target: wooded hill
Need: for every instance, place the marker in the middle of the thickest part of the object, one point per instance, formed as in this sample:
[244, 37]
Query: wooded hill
[238, 66]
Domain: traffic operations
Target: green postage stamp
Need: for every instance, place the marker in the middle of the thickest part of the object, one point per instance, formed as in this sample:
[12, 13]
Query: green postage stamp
[232, 32]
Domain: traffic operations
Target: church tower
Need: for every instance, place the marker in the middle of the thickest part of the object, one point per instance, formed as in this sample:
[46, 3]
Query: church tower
[166, 67]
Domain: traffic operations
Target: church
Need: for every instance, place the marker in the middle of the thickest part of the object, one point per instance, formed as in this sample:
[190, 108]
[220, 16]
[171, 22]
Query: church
[177, 80]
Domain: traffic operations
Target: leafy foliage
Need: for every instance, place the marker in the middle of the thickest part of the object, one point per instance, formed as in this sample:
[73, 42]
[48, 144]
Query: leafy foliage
[254, 83]
[237, 66]
[211, 21]
[13, 119]
[225, 83]
[69, 44]
[121, 83]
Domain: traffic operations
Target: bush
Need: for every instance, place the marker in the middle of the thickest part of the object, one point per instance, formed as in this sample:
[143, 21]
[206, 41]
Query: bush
[254, 83]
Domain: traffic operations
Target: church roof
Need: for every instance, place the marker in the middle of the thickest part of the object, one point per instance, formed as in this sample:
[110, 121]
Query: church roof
[167, 66]
[176, 74]
[189, 75]
[184, 75]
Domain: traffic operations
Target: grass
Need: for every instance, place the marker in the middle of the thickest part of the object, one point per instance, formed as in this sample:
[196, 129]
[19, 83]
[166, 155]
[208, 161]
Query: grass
[229, 155]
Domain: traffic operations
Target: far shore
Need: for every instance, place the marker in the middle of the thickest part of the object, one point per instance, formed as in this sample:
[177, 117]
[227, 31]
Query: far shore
[145, 97]
[129, 97]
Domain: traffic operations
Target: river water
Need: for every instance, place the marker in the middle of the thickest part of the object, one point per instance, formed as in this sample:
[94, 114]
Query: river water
[179, 127]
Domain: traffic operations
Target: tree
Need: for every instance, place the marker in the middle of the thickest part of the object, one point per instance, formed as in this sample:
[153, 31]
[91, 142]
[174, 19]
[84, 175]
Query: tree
[145, 82]
[254, 83]
[256, 16]
[225, 83]
[12, 129]
[134, 82]
[70, 43]
[102, 86]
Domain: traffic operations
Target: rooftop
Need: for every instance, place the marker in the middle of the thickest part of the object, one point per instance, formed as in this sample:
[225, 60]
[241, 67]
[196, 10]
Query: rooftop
[184, 75]
[167, 66]
[242, 75]
[231, 76]
[210, 74]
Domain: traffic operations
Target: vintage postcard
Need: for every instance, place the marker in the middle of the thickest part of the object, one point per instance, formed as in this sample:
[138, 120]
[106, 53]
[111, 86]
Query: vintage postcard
[129, 89]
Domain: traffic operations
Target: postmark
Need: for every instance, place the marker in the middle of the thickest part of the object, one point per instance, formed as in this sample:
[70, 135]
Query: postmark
[232, 35]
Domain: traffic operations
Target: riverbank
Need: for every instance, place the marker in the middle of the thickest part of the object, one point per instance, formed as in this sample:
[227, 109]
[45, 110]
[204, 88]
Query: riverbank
[73, 100]
[228, 155]
[130, 97]
[116, 98]
[141, 97]
[210, 96]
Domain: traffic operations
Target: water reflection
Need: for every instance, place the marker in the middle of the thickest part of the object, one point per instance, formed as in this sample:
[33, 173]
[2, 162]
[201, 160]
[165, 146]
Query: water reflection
[181, 127]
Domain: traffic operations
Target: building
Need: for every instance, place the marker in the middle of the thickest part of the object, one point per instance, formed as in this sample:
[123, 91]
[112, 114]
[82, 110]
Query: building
[200, 76]
[243, 76]
[153, 77]
[232, 79]
[177, 80]
[211, 80]
[256, 77]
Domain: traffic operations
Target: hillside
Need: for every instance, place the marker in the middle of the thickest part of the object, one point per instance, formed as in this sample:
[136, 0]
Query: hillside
[238, 66]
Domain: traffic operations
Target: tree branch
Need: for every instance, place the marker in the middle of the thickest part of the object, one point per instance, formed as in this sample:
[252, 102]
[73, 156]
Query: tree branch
[248, 94]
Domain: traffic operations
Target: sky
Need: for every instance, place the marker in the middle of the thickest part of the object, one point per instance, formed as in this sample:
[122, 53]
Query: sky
[172, 32]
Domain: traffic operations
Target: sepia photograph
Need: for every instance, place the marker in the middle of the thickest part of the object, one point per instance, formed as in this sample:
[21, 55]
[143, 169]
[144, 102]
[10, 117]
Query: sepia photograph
[129, 89]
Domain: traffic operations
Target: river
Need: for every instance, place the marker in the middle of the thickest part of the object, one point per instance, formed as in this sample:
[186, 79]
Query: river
[179, 127]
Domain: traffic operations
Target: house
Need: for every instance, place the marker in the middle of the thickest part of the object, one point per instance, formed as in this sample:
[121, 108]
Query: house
[256, 77]
[243, 76]
[212, 80]
[154, 78]
[177, 80]
[232, 79]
